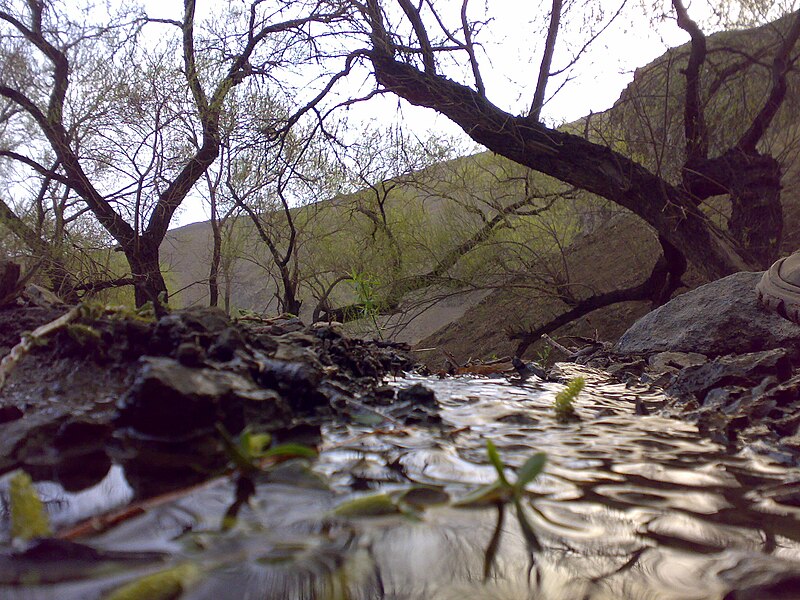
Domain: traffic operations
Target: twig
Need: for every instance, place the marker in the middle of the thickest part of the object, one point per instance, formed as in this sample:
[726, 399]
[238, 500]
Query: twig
[28, 339]
[557, 346]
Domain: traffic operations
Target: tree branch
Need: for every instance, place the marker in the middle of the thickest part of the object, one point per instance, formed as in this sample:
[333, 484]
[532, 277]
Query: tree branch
[571, 159]
[470, 48]
[412, 14]
[663, 280]
[780, 67]
[547, 59]
[694, 124]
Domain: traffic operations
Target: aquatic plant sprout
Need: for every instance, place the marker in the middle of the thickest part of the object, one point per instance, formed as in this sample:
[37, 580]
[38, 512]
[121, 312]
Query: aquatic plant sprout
[565, 398]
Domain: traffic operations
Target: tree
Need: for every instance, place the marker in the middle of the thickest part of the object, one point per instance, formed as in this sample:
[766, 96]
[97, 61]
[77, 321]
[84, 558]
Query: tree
[95, 95]
[407, 50]
[426, 225]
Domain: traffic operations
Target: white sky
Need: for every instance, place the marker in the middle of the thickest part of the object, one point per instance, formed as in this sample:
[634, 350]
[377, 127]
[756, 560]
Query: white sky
[510, 67]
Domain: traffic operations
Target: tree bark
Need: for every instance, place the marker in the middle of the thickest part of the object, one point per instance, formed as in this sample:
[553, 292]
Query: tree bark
[149, 284]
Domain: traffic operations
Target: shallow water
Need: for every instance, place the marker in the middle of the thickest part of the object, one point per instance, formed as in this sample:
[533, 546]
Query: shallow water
[628, 507]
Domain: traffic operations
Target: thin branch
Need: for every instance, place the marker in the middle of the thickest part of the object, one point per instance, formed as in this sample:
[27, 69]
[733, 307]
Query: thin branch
[422, 35]
[469, 46]
[547, 59]
[39, 168]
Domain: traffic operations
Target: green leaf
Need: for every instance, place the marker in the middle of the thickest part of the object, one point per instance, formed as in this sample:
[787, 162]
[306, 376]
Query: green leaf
[529, 471]
[485, 495]
[290, 451]
[28, 517]
[422, 496]
[164, 585]
[253, 444]
[372, 505]
[494, 458]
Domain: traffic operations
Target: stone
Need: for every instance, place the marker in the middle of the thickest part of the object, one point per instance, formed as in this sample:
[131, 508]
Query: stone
[719, 318]
[665, 362]
[171, 400]
[417, 394]
[746, 370]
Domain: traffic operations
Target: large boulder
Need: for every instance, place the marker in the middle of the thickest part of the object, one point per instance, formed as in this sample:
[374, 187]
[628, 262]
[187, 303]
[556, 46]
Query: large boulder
[719, 318]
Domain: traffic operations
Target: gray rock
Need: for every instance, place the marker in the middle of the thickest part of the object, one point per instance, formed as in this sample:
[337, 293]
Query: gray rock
[745, 370]
[721, 317]
[171, 400]
[672, 362]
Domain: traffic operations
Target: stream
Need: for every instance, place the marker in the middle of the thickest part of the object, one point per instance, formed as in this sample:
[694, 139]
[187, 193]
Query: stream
[628, 506]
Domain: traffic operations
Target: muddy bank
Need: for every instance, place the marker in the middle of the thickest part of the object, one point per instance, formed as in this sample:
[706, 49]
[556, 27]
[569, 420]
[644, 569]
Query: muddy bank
[152, 393]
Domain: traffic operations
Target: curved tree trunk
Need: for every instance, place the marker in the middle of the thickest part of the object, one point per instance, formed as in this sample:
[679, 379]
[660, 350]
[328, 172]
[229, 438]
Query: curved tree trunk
[663, 280]
[216, 258]
[670, 210]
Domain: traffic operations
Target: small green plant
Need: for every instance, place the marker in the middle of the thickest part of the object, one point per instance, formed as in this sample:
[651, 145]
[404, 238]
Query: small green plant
[365, 287]
[28, 517]
[410, 502]
[250, 449]
[543, 357]
[502, 490]
[499, 493]
[83, 335]
[163, 585]
[565, 398]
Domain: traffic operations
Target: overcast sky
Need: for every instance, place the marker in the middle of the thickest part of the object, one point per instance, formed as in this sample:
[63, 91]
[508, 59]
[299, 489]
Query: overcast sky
[512, 50]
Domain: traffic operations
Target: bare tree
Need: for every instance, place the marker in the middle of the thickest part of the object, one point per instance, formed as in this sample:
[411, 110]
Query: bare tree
[50, 94]
[411, 69]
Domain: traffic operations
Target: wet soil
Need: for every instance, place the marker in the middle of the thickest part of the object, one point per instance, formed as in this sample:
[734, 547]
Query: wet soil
[114, 385]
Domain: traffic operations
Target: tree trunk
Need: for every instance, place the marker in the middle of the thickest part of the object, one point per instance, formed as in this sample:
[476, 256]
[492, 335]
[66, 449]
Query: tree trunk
[291, 303]
[216, 257]
[753, 182]
[149, 284]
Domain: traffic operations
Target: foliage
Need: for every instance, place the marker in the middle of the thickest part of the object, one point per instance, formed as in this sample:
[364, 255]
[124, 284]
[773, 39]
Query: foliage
[365, 287]
[543, 356]
[28, 517]
[409, 502]
[250, 450]
[502, 490]
[164, 585]
[565, 399]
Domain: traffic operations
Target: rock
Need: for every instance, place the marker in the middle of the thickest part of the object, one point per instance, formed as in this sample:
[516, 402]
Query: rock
[297, 381]
[10, 413]
[36, 295]
[745, 370]
[417, 394]
[719, 318]
[171, 400]
[665, 362]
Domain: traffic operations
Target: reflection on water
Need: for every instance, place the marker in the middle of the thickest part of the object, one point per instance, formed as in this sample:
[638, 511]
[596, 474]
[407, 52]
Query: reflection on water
[628, 507]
